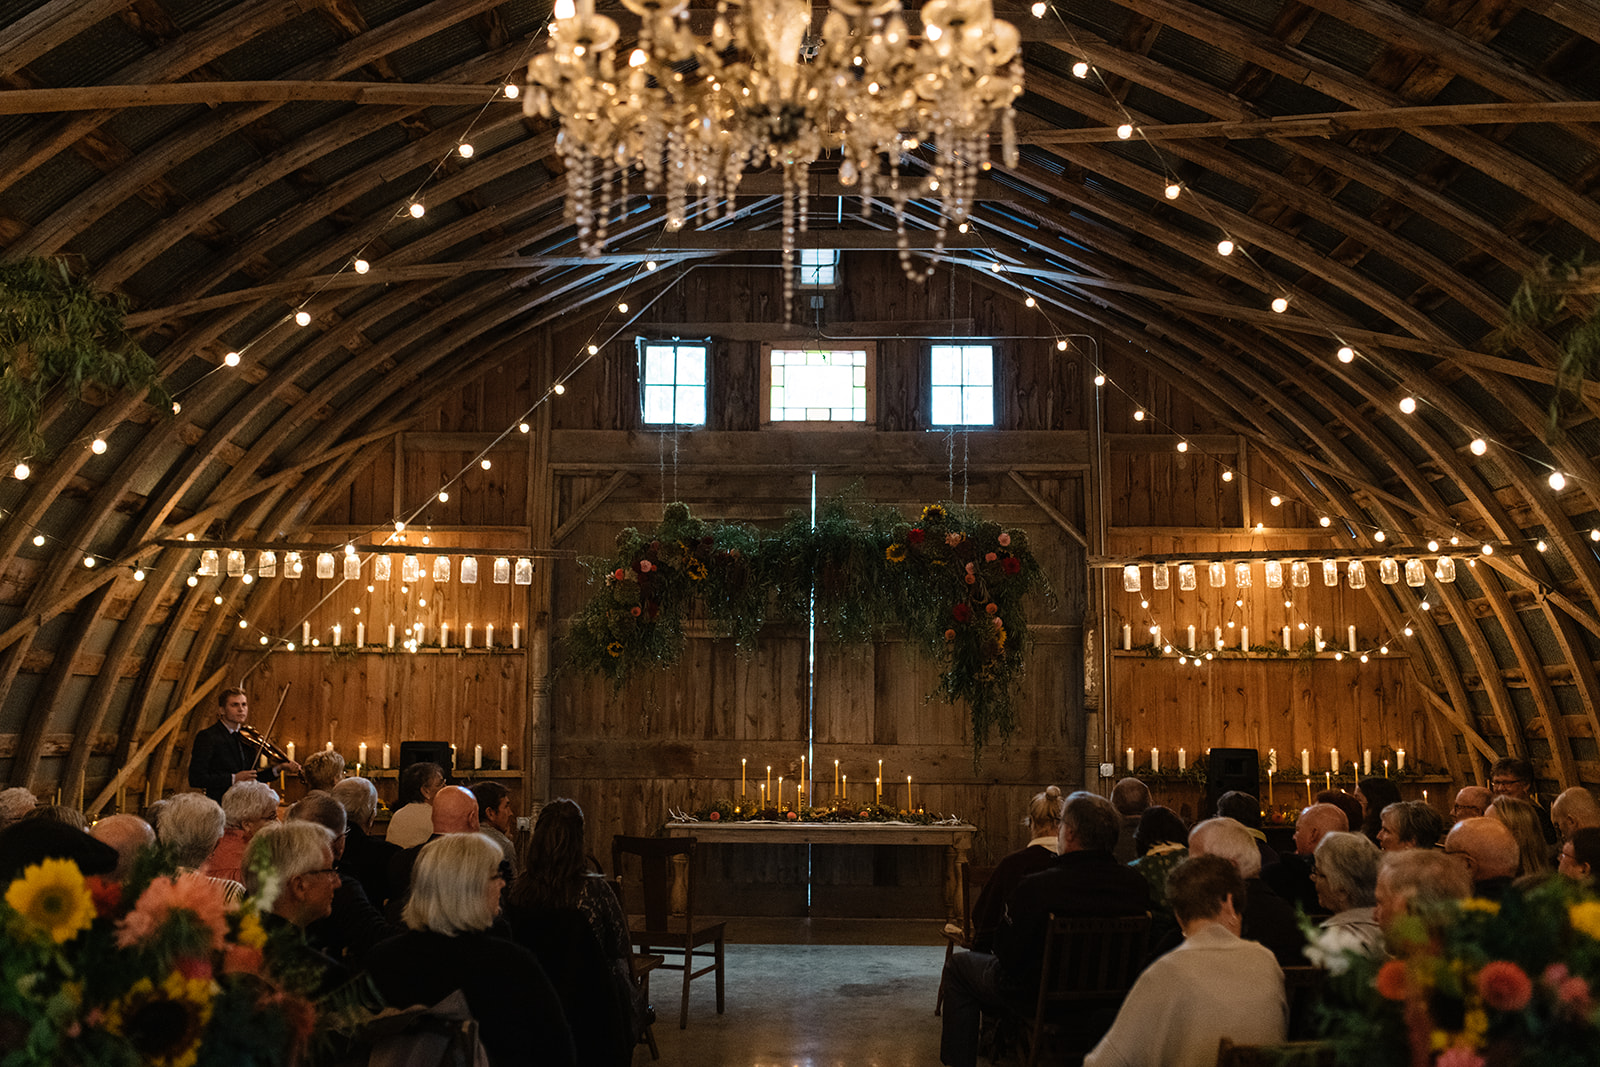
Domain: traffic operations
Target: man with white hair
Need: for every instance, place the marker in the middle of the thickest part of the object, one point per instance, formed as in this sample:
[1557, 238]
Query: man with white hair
[15, 803]
[246, 808]
[1573, 810]
[289, 872]
[1267, 917]
[366, 857]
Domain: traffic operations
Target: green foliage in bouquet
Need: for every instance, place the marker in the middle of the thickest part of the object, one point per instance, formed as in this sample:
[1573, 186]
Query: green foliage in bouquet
[1477, 984]
[952, 582]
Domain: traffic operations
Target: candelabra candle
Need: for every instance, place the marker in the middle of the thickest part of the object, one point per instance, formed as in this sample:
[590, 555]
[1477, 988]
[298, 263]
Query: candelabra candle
[1308, 792]
[329, 748]
[361, 640]
[769, 778]
[466, 636]
[1386, 768]
[337, 633]
[1191, 637]
[444, 635]
[361, 752]
[1350, 633]
[1183, 762]
[391, 635]
[1316, 635]
[909, 807]
[1329, 776]
[386, 755]
[1400, 760]
[1130, 761]
[1286, 637]
[1333, 760]
[1244, 638]
[1305, 761]
[1155, 760]
[1216, 636]
[488, 635]
[844, 790]
[743, 766]
[1127, 637]
[1269, 787]
[1366, 761]
[516, 636]
[289, 751]
[505, 757]
[305, 635]
[780, 792]
[835, 778]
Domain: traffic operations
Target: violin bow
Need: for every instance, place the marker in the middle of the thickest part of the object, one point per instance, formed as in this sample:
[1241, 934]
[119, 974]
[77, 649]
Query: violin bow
[283, 694]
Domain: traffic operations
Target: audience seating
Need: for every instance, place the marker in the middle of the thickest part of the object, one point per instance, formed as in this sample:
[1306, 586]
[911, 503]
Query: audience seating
[1089, 966]
[663, 933]
[973, 879]
[1288, 1054]
[1303, 987]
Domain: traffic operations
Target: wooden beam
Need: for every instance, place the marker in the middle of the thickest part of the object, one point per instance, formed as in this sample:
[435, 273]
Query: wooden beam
[168, 724]
[583, 510]
[835, 331]
[731, 240]
[211, 93]
[1049, 509]
[1458, 721]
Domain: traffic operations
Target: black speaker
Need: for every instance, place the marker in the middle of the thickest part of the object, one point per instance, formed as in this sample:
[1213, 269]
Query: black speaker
[428, 752]
[1229, 769]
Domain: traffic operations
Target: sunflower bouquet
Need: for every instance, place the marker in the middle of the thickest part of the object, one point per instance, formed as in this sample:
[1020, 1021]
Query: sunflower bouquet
[157, 970]
[1477, 984]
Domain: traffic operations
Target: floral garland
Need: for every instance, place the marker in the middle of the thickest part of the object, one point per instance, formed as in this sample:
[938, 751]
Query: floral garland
[721, 811]
[952, 582]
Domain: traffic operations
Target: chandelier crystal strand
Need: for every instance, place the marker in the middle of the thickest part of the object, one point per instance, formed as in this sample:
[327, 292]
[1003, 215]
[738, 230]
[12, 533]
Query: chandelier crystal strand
[692, 114]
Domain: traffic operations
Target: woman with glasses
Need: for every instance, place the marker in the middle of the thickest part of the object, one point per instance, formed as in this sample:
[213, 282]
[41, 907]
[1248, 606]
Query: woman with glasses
[1345, 873]
[455, 898]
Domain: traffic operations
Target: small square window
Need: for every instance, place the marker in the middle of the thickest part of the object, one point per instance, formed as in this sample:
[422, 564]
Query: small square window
[819, 268]
[962, 378]
[818, 387]
[672, 383]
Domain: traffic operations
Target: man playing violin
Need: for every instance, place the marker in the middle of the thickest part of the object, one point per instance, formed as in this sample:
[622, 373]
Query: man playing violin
[223, 754]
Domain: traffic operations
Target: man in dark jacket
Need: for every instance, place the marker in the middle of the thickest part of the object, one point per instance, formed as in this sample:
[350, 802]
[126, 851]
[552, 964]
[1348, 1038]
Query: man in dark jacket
[1084, 880]
[221, 757]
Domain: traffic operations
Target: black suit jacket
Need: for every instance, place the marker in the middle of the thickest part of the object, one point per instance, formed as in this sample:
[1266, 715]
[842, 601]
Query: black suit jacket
[219, 754]
[366, 859]
[1077, 884]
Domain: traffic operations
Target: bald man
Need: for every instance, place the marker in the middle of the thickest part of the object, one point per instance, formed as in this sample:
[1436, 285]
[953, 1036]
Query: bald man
[455, 811]
[1472, 802]
[1291, 876]
[1490, 852]
[129, 835]
[1574, 810]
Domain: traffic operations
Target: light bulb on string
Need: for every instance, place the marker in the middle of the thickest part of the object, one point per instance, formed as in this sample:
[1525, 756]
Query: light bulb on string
[650, 264]
[1030, 302]
[523, 427]
[1080, 69]
[1275, 500]
[417, 210]
[247, 578]
[217, 600]
[21, 471]
[362, 266]
[444, 496]
[1061, 345]
[1325, 521]
[1183, 446]
[138, 574]
[594, 350]
[1172, 191]
[1280, 305]
[484, 463]
[1380, 536]
[244, 624]
[1433, 546]
[1487, 549]
[558, 389]
[231, 359]
[302, 318]
[511, 90]
[465, 149]
[265, 640]
[1099, 380]
[1124, 131]
[1346, 354]
[1541, 547]
[193, 581]
[1227, 476]
[1039, 8]
[1478, 446]
[1224, 247]
[1408, 405]
[1558, 481]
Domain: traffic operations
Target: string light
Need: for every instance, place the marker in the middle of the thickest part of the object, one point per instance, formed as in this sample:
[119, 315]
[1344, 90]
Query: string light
[1124, 132]
[22, 470]
[558, 389]
[302, 318]
[523, 427]
[444, 496]
[1099, 380]
[484, 463]
[1138, 416]
[138, 574]
[231, 359]
[511, 90]
[1224, 247]
[416, 209]
[1408, 405]
[1183, 446]
[465, 149]
[1080, 69]
[38, 540]
[1030, 302]
[1558, 481]
[1276, 500]
[1280, 305]
[1172, 190]
[1346, 354]
[1039, 8]
[193, 581]
[88, 561]
[1227, 476]
[362, 266]
[1478, 446]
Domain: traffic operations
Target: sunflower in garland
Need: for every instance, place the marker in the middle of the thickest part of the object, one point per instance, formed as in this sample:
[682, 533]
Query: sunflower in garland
[53, 897]
[164, 1023]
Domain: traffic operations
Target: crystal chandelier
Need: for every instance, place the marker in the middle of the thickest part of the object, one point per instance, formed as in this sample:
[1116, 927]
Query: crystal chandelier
[690, 114]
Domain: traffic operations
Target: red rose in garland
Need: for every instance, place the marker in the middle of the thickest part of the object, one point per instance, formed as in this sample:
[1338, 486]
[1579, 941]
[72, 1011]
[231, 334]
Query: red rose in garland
[962, 612]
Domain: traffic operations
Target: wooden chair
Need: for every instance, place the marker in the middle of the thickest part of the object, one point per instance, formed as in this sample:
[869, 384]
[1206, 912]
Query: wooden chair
[1302, 987]
[640, 966]
[1288, 1054]
[1089, 966]
[663, 933]
[973, 879]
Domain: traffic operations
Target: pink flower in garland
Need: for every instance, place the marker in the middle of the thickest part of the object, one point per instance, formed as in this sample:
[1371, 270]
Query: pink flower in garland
[990, 557]
[1005, 540]
[1504, 986]
[1459, 1057]
[194, 893]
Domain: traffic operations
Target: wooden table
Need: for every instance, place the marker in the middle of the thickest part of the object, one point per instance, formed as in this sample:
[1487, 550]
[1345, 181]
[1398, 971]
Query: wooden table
[955, 837]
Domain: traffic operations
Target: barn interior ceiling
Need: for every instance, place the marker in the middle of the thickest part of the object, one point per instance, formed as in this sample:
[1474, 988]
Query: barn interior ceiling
[1381, 173]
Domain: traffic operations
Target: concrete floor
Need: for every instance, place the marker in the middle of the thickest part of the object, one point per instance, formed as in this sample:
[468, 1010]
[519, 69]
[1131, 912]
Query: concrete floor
[810, 993]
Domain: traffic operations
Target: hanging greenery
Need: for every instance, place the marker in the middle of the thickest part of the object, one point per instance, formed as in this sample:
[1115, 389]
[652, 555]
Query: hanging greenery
[953, 583]
[57, 330]
[1553, 295]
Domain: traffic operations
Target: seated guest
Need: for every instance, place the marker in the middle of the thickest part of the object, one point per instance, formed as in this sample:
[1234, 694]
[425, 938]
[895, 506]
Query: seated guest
[497, 819]
[1472, 802]
[1291, 879]
[322, 771]
[1044, 820]
[1083, 880]
[129, 835]
[27, 842]
[412, 823]
[1346, 874]
[190, 827]
[62, 814]
[1490, 853]
[15, 803]
[1268, 918]
[246, 808]
[353, 925]
[1522, 819]
[1573, 810]
[1580, 854]
[289, 872]
[454, 900]
[1375, 794]
[1245, 810]
[1130, 797]
[1409, 824]
[1413, 884]
[454, 811]
[366, 858]
[1162, 842]
[1354, 813]
[1214, 985]
[1510, 776]
[568, 917]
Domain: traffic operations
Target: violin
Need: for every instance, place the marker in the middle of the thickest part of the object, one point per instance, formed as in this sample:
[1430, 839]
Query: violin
[263, 746]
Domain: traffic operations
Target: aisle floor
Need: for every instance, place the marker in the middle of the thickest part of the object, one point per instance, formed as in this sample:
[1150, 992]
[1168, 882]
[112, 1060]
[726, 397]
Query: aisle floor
[810, 993]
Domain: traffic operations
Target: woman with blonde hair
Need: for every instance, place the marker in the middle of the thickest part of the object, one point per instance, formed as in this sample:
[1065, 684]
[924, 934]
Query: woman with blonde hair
[1044, 822]
[455, 898]
[1522, 819]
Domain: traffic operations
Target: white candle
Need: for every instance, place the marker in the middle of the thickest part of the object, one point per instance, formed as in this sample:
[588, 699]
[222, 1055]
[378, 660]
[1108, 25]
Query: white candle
[1127, 640]
[1155, 632]
[1350, 631]
[505, 757]
[1130, 761]
[1366, 761]
[337, 630]
[1183, 760]
[1216, 637]
[444, 635]
[305, 635]
[386, 755]
[1155, 760]
[329, 748]
[1333, 759]
[1316, 634]
[1272, 761]
[488, 635]
[289, 748]
[361, 752]
[466, 636]
[391, 635]
[1191, 637]
[422, 630]
[1400, 759]
[516, 637]
[1244, 638]
[1305, 762]
[361, 640]
[477, 757]
[1285, 637]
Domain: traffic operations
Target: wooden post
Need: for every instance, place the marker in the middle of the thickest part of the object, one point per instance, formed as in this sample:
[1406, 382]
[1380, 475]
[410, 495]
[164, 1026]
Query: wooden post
[541, 528]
